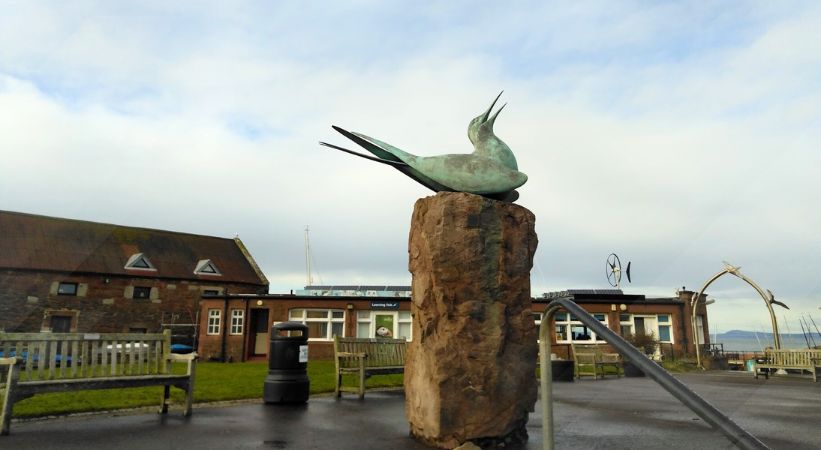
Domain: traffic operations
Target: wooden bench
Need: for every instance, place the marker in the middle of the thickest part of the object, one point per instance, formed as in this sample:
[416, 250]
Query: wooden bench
[366, 357]
[35, 363]
[589, 359]
[808, 359]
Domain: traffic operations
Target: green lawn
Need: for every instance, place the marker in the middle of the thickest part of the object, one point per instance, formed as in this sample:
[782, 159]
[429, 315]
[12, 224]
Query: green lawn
[214, 382]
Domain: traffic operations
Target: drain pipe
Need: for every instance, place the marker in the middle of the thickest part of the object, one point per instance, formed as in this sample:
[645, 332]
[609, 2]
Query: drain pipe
[679, 390]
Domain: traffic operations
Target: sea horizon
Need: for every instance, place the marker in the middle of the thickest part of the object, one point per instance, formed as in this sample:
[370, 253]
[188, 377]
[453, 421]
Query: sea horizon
[756, 341]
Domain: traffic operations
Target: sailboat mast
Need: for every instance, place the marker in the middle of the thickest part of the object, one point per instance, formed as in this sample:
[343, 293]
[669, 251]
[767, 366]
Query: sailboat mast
[803, 333]
[309, 279]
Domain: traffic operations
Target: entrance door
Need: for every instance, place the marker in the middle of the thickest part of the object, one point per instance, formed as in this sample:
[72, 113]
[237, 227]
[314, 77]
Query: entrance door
[648, 325]
[60, 324]
[259, 333]
[384, 325]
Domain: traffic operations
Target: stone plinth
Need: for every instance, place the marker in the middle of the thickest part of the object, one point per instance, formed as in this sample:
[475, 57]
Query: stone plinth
[470, 369]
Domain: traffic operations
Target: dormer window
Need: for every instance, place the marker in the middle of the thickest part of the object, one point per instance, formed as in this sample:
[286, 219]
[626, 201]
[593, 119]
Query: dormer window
[139, 261]
[206, 267]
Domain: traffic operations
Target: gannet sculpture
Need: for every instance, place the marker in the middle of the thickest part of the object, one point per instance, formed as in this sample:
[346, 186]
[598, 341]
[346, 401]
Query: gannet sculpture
[491, 170]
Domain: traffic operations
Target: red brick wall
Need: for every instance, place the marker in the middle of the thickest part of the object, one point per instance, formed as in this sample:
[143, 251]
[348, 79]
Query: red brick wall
[675, 311]
[28, 299]
[210, 346]
[237, 347]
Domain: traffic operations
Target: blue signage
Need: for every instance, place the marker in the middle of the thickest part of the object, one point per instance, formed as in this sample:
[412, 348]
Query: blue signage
[382, 304]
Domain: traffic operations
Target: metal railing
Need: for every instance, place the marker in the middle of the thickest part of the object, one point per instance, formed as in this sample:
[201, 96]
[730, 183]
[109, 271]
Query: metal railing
[698, 405]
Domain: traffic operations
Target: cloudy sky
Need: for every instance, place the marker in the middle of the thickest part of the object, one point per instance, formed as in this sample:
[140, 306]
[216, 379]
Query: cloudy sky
[675, 134]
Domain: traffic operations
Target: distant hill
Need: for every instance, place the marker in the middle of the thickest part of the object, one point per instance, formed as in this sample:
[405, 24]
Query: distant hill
[742, 340]
[742, 334]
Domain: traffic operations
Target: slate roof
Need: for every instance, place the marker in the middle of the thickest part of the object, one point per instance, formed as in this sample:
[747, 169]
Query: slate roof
[33, 242]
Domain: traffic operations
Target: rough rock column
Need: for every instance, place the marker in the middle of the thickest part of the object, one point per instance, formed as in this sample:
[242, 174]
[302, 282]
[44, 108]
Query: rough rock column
[470, 369]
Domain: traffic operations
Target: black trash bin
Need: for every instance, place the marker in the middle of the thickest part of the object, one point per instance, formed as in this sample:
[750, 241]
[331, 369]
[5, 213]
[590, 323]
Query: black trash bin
[287, 380]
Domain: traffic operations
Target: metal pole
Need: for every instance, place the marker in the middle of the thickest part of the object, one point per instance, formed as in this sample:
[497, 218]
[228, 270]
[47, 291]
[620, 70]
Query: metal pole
[546, 375]
[698, 405]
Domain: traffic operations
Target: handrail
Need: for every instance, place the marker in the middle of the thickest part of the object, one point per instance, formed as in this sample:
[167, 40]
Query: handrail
[698, 405]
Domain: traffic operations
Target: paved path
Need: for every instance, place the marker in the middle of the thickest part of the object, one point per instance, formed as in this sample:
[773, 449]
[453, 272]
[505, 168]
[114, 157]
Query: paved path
[628, 413]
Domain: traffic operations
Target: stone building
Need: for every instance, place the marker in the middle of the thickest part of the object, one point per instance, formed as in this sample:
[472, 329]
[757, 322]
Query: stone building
[236, 327]
[65, 275]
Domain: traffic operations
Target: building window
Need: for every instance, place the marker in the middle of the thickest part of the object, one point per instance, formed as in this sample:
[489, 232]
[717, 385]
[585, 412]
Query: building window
[206, 267]
[570, 329]
[363, 324]
[403, 325]
[323, 324]
[210, 292]
[214, 319]
[626, 322]
[665, 328]
[140, 262]
[65, 288]
[389, 324]
[660, 325]
[237, 321]
[700, 329]
[142, 292]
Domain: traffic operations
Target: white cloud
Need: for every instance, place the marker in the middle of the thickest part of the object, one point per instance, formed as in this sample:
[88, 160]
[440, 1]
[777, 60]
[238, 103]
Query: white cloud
[673, 134]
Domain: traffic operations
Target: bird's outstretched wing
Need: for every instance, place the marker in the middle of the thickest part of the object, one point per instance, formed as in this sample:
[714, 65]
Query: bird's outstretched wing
[386, 157]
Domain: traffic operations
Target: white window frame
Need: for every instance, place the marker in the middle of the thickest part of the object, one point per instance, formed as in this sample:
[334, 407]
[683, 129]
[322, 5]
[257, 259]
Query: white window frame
[214, 322]
[406, 320]
[659, 324]
[237, 321]
[568, 323]
[329, 320]
[72, 293]
[136, 259]
[629, 322]
[202, 268]
[366, 321]
[668, 324]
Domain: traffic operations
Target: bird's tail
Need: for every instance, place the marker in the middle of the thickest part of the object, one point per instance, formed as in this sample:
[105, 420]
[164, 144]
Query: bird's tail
[361, 155]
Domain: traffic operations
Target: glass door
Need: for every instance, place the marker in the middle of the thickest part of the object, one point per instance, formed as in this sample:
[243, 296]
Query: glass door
[384, 325]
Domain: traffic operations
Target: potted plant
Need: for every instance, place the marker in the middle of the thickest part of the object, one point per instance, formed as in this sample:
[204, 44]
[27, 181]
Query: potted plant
[645, 343]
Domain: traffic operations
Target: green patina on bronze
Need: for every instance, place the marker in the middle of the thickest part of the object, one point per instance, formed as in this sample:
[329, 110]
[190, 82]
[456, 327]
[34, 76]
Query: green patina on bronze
[491, 170]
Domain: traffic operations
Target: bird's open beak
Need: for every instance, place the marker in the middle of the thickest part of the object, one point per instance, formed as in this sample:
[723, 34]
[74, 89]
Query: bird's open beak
[492, 118]
[487, 113]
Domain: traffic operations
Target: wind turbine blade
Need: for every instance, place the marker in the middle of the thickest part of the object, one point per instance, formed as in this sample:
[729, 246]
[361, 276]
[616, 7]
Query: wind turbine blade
[628, 271]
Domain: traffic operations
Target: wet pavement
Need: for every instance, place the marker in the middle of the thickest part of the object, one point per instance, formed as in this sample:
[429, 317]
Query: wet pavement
[614, 413]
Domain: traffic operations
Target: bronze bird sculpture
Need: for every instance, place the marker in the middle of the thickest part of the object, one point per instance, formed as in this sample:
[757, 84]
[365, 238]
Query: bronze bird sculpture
[491, 170]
